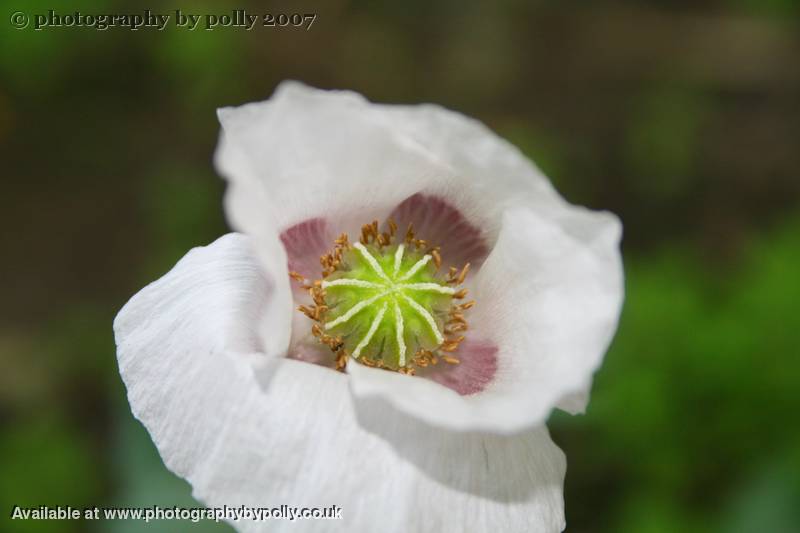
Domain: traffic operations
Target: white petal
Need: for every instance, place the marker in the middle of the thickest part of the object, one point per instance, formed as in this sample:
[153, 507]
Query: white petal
[495, 170]
[549, 299]
[490, 174]
[566, 280]
[249, 429]
[307, 153]
[275, 326]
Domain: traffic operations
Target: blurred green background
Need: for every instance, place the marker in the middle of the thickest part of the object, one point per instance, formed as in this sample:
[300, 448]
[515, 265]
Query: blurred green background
[683, 117]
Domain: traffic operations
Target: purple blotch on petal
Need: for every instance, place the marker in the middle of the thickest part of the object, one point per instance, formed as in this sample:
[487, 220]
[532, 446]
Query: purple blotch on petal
[439, 223]
[305, 243]
[477, 367]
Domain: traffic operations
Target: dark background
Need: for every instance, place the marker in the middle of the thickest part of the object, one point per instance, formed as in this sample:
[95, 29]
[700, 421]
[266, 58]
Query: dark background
[682, 117]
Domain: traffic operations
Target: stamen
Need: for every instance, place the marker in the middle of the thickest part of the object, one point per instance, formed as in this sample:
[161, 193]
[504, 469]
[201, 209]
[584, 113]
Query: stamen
[342, 241]
[341, 361]
[437, 258]
[457, 317]
[307, 311]
[460, 294]
[455, 328]
[463, 275]
[410, 234]
[297, 277]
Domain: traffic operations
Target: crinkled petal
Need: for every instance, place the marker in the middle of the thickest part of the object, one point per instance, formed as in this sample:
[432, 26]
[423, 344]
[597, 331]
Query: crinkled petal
[565, 278]
[306, 153]
[549, 301]
[275, 325]
[249, 429]
[493, 173]
[490, 174]
[481, 159]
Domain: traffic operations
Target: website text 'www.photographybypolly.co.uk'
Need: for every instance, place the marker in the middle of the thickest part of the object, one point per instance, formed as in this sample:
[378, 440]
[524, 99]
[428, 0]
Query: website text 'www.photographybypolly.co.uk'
[192, 514]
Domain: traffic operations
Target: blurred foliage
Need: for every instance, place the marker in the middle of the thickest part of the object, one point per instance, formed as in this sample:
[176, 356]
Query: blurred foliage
[692, 411]
[44, 462]
[682, 117]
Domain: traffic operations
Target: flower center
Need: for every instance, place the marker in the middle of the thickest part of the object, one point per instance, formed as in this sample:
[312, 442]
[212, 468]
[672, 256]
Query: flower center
[384, 304]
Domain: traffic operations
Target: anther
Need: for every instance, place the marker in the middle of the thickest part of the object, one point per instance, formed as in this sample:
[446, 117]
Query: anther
[437, 258]
[459, 295]
[463, 275]
[307, 311]
[410, 234]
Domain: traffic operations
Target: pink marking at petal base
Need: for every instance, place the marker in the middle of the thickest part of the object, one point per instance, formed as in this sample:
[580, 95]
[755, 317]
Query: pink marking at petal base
[305, 243]
[475, 371]
[309, 352]
[441, 224]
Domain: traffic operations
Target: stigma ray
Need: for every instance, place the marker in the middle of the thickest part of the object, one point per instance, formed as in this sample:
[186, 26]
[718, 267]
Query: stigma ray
[372, 329]
[416, 268]
[345, 282]
[434, 287]
[371, 261]
[425, 316]
[399, 333]
[353, 311]
[398, 258]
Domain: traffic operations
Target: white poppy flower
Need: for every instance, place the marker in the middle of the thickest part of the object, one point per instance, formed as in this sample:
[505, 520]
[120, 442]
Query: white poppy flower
[239, 391]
